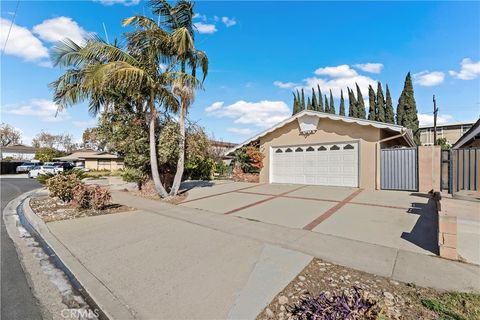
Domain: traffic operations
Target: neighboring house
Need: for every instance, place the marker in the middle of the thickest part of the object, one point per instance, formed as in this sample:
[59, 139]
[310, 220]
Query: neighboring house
[18, 152]
[95, 160]
[470, 139]
[452, 132]
[221, 148]
[325, 149]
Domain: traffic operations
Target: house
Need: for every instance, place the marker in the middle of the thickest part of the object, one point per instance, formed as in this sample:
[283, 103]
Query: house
[452, 132]
[18, 152]
[325, 149]
[94, 160]
[470, 139]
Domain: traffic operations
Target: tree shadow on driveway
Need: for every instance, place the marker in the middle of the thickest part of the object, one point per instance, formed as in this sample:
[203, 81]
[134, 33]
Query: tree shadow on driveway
[424, 233]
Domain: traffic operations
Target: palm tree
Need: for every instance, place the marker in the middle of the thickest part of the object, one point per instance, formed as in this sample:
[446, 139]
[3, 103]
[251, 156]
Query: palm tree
[178, 20]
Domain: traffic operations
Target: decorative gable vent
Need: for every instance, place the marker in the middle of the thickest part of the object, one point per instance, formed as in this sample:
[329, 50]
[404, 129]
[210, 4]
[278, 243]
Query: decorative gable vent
[307, 124]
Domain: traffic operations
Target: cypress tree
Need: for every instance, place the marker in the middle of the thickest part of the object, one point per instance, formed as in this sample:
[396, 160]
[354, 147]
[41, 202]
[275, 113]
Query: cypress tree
[314, 101]
[380, 104]
[327, 107]
[389, 115]
[342, 104]
[352, 104]
[332, 103]
[295, 104]
[302, 104]
[320, 100]
[372, 114]
[407, 109]
[360, 104]
[309, 104]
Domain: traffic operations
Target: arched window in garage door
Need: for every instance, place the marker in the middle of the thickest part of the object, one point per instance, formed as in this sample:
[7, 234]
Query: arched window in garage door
[335, 147]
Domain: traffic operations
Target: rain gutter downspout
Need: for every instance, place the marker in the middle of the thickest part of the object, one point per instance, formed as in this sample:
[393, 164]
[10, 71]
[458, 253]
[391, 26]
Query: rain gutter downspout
[377, 156]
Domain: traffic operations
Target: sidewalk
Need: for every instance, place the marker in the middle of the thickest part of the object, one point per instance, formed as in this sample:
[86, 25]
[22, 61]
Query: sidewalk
[401, 265]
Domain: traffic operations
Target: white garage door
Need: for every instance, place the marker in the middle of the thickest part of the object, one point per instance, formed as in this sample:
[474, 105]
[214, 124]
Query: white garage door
[333, 164]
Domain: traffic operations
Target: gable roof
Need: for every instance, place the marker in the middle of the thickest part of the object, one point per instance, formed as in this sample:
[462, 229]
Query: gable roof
[473, 133]
[363, 122]
[19, 148]
[89, 154]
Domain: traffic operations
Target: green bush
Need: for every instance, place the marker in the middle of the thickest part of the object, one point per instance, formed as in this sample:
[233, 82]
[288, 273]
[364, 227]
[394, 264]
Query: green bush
[90, 197]
[43, 178]
[222, 169]
[134, 175]
[61, 186]
[199, 169]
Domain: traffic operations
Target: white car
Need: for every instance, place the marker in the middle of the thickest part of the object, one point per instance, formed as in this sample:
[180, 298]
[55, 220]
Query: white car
[38, 170]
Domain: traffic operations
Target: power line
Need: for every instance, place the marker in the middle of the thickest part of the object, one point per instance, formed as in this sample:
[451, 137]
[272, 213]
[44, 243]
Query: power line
[11, 25]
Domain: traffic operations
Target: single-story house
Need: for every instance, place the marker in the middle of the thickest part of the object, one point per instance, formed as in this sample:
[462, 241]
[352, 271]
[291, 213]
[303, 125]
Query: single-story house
[94, 160]
[470, 139]
[326, 149]
[18, 152]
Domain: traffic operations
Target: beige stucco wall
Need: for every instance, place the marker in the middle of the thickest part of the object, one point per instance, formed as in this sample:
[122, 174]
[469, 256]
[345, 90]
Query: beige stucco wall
[94, 164]
[329, 131]
[428, 179]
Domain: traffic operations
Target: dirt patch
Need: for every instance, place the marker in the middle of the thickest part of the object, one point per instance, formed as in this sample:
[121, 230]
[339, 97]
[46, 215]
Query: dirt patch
[148, 191]
[52, 209]
[392, 299]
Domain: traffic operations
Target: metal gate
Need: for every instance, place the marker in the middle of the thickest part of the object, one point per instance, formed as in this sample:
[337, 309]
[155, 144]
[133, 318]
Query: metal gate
[399, 169]
[464, 169]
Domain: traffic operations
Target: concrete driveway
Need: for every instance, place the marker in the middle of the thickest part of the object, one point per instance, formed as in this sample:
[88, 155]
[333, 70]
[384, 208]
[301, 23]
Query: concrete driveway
[397, 219]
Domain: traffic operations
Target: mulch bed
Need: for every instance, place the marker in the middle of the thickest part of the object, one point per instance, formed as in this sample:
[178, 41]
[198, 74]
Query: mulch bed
[149, 192]
[52, 209]
[392, 299]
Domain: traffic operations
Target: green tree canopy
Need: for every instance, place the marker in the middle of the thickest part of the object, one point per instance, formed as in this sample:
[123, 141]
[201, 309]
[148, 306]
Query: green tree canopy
[320, 100]
[372, 104]
[389, 114]
[360, 104]
[380, 104]
[342, 104]
[407, 109]
[332, 104]
[352, 104]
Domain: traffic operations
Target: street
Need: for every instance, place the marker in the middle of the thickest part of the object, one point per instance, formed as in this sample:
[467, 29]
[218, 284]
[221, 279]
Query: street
[17, 301]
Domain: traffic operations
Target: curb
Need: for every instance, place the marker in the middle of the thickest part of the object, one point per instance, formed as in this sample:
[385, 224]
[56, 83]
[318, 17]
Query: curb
[87, 284]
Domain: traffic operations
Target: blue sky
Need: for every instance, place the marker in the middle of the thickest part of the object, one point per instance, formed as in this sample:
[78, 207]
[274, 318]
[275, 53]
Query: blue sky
[259, 52]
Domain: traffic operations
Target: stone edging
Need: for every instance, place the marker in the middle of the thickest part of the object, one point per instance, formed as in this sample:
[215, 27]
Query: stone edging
[91, 288]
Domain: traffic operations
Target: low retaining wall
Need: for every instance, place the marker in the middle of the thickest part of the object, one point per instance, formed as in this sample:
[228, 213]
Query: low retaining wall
[447, 231]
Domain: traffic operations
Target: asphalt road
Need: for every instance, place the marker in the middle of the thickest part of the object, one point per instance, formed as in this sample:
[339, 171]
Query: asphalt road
[17, 301]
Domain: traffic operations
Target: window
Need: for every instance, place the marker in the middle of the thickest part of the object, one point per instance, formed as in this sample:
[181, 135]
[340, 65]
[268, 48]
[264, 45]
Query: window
[298, 149]
[279, 151]
[335, 147]
[322, 148]
[289, 150]
[310, 149]
[348, 147]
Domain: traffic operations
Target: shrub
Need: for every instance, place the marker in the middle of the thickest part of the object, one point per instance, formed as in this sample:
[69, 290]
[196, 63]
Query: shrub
[90, 197]
[352, 305]
[250, 159]
[61, 186]
[222, 169]
[43, 178]
[134, 175]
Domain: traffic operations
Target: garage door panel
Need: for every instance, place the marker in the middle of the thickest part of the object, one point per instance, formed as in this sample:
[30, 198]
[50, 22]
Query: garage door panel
[333, 164]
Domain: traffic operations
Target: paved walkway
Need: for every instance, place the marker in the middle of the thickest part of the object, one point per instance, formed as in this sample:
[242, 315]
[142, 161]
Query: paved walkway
[402, 265]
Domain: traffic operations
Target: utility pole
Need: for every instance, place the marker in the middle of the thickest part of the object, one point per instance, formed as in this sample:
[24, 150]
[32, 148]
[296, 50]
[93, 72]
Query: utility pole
[435, 112]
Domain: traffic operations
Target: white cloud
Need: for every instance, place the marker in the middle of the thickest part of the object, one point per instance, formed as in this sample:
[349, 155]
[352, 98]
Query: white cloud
[205, 27]
[469, 71]
[21, 42]
[124, 2]
[261, 114]
[229, 22]
[200, 16]
[44, 110]
[240, 131]
[57, 29]
[285, 85]
[370, 67]
[342, 71]
[85, 124]
[214, 106]
[426, 119]
[429, 79]
[341, 83]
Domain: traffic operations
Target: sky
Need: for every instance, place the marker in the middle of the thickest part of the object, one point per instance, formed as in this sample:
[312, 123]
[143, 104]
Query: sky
[259, 52]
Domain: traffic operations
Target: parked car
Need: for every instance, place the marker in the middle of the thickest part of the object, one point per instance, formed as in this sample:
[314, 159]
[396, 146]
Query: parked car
[81, 167]
[38, 170]
[25, 167]
[63, 166]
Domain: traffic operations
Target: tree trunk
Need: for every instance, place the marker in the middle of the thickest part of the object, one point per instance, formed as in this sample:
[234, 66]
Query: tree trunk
[153, 156]
[181, 152]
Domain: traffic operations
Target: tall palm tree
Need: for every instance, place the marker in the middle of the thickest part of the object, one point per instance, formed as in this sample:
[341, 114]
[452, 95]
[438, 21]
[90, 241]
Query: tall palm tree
[185, 57]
